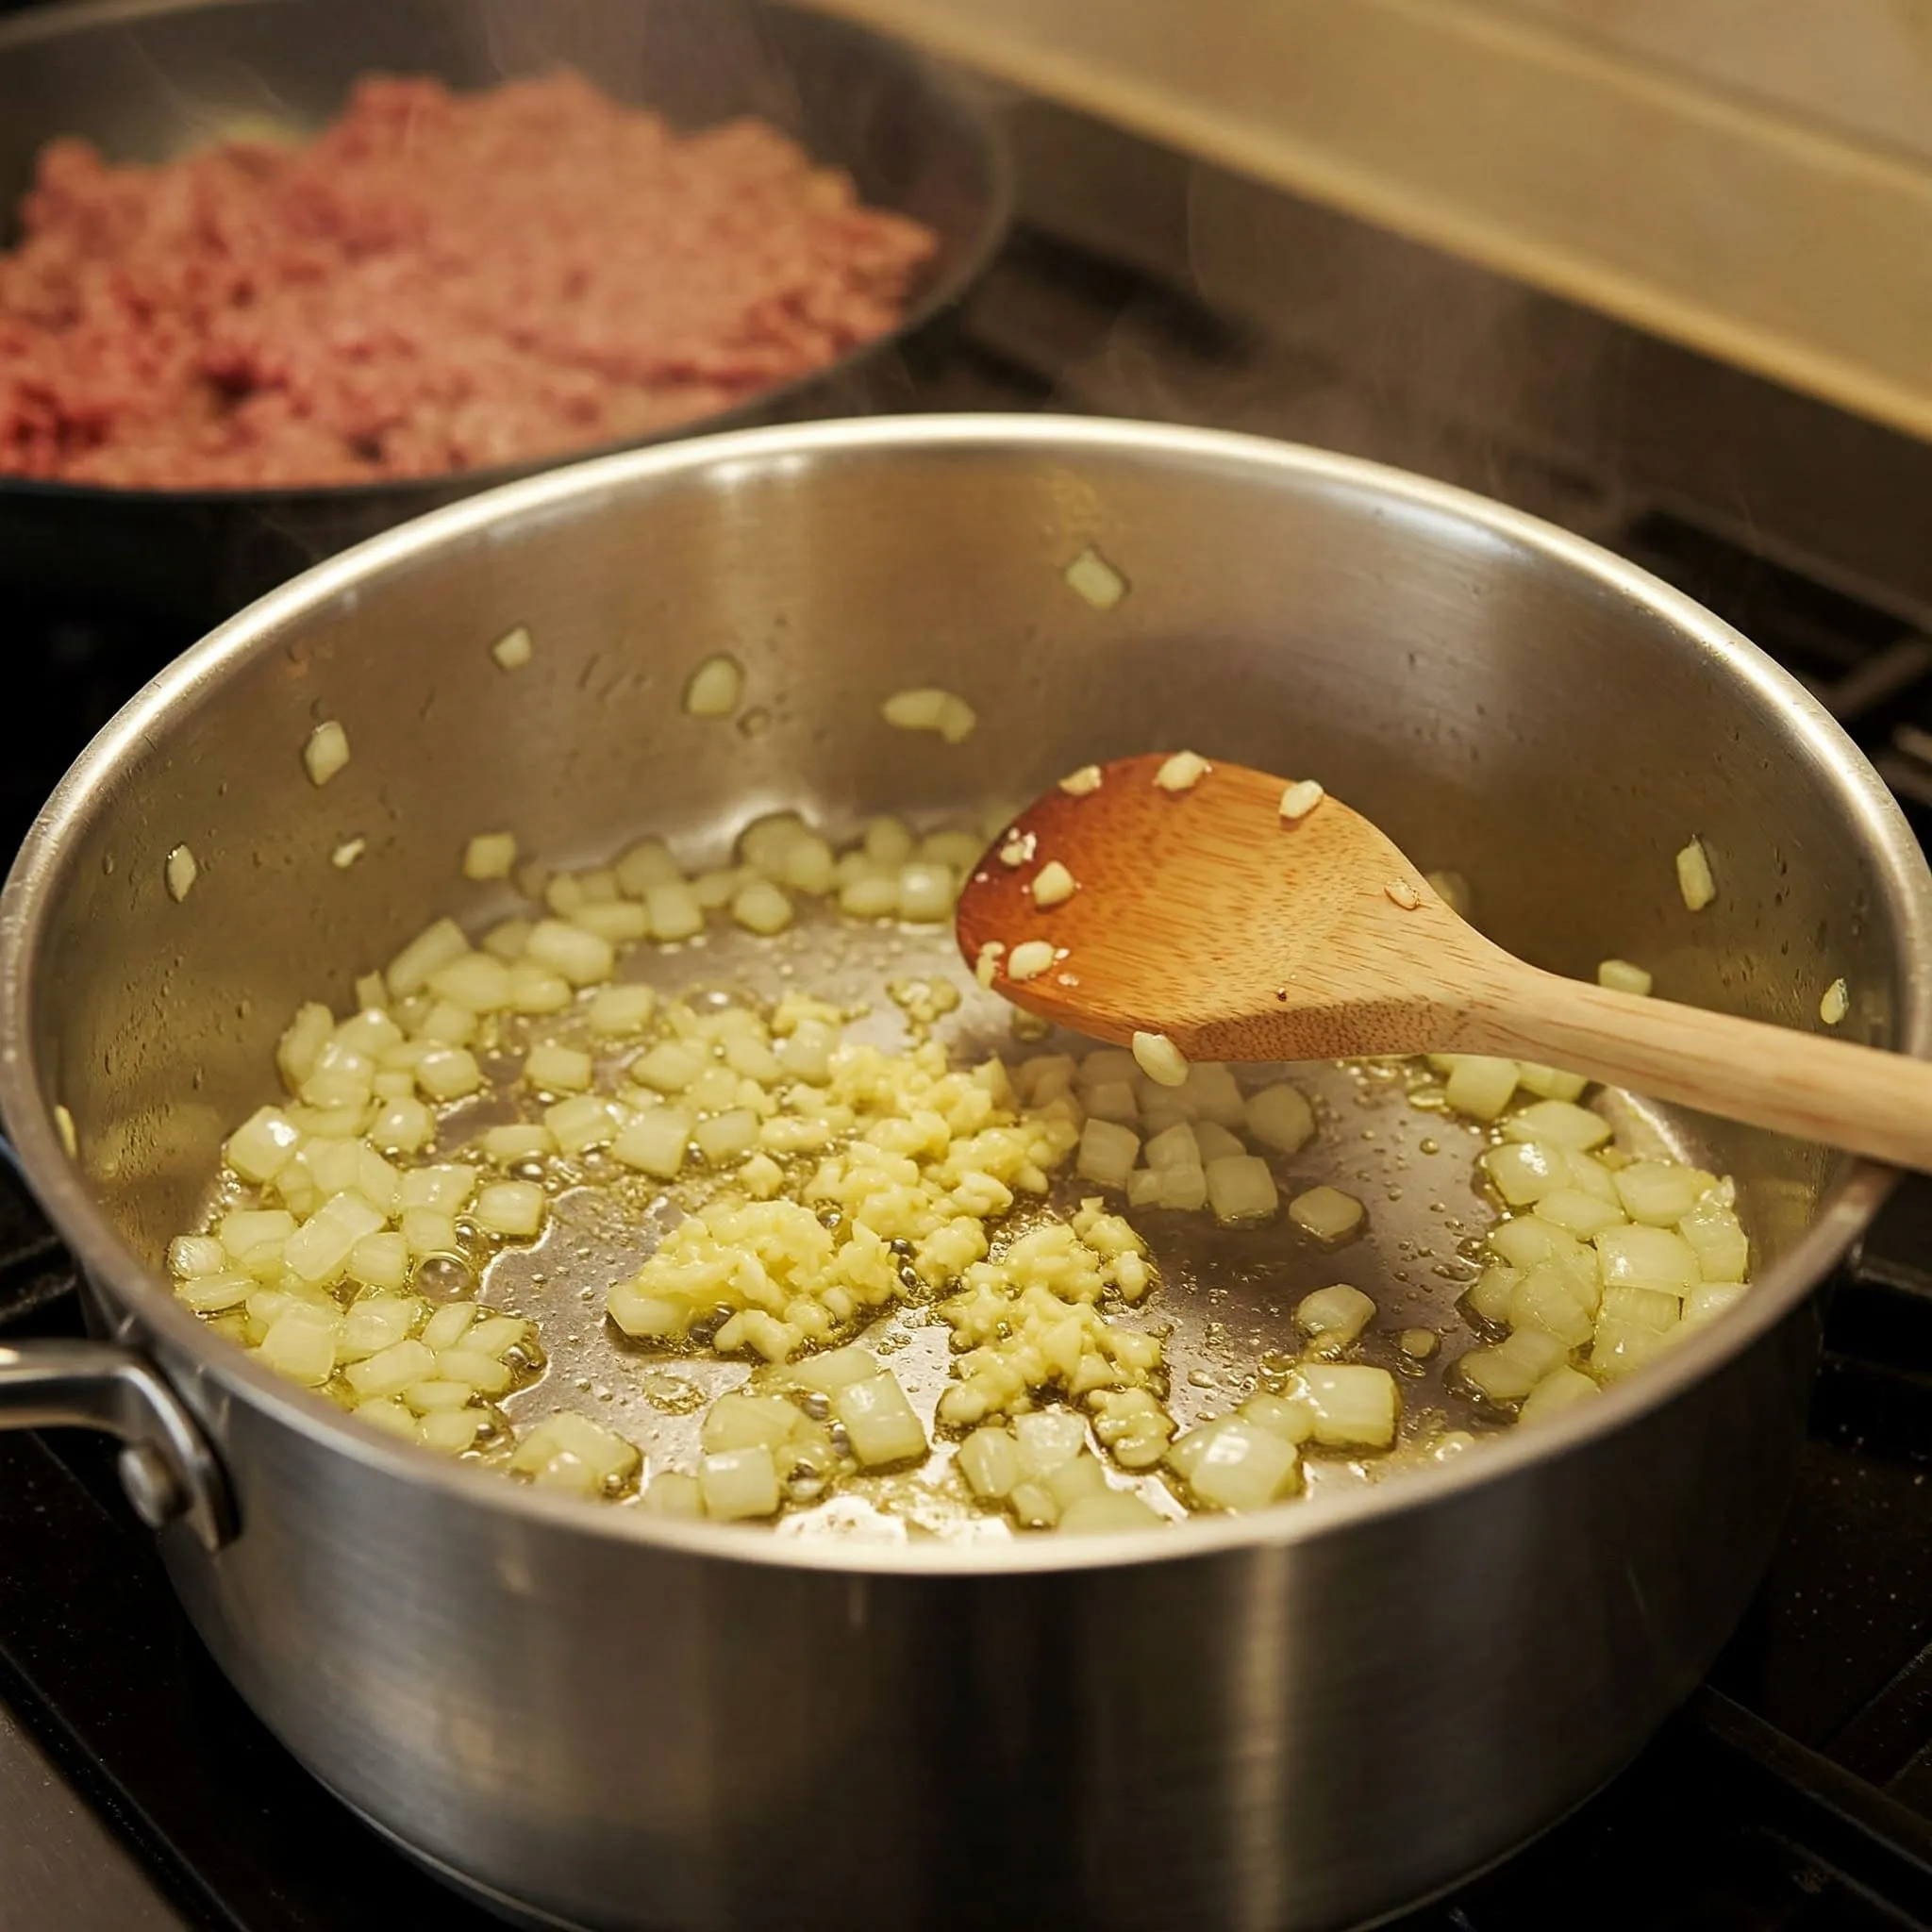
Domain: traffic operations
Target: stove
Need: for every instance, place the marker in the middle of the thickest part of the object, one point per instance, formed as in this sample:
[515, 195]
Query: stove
[1794, 1790]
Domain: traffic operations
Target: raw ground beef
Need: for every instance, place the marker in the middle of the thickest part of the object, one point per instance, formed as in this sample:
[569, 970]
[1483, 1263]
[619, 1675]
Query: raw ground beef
[438, 282]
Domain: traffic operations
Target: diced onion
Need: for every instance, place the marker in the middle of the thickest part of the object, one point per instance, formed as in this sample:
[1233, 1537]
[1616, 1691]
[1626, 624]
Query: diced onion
[325, 752]
[1836, 1003]
[762, 908]
[1326, 1213]
[1053, 885]
[1081, 783]
[1241, 1190]
[1181, 772]
[1094, 580]
[1300, 799]
[1620, 976]
[513, 649]
[715, 687]
[1694, 879]
[1029, 959]
[1337, 1314]
[180, 873]
[1160, 1059]
[490, 856]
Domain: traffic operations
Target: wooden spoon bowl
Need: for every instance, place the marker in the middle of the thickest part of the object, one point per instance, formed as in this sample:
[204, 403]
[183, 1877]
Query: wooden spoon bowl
[1208, 915]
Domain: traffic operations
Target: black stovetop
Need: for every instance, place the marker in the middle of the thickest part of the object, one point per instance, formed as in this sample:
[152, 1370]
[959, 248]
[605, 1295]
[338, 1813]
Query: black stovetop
[1795, 1789]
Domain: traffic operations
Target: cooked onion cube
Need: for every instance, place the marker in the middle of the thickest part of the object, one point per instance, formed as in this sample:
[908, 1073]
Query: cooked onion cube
[925, 893]
[390, 1371]
[264, 1144]
[1181, 772]
[447, 1326]
[450, 1430]
[1184, 1187]
[1353, 1407]
[1558, 1122]
[886, 841]
[517, 1140]
[246, 1231]
[1506, 1373]
[514, 1208]
[875, 896]
[446, 1025]
[1336, 1314]
[318, 1251]
[1241, 1190]
[447, 1187]
[190, 1255]
[1300, 799]
[1106, 1512]
[1653, 1257]
[929, 710]
[1560, 1389]
[214, 1293]
[580, 956]
[1210, 1094]
[1480, 1085]
[728, 1136]
[474, 980]
[325, 752]
[674, 1494]
[1694, 879]
[535, 988]
[834, 1368]
[879, 1421]
[1176, 1147]
[1523, 1171]
[1552, 1298]
[574, 1452]
[1525, 1240]
[620, 922]
[514, 648]
[809, 866]
[377, 1323]
[1047, 1438]
[645, 1316]
[1215, 1141]
[740, 1419]
[1835, 1003]
[435, 946]
[307, 1035]
[1243, 1466]
[1718, 1240]
[1621, 1348]
[1160, 1059]
[1053, 885]
[1640, 1307]
[738, 1484]
[583, 1122]
[1107, 1153]
[490, 856]
[483, 1372]
[1112, 1101]
[448, 1072]
[429, 1231]
[1081, 784]
[616, 1012]
[301, 1344]
[1029, 959]
[671, 1066]
[986, 966]
[760, 906]
[180, 870]
[1280, 1116]
[1489, 1297]
[1094, 580]
[1326, 1213]
[1584, 1215]
[1074, 1480]
[556, 1069]
[675, 914]
[380, 1260]
[990, 1460]
[1619, 976]
[655, 1141]
[1294, 1421]
[715, 689]
[1419, 1344]
[1548, 1083]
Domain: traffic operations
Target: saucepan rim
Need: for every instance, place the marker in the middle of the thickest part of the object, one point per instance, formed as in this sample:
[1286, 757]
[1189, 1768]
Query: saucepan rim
[41, 865]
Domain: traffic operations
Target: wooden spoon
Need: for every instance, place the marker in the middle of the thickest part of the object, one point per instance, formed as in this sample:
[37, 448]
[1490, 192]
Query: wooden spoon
[1205, 915]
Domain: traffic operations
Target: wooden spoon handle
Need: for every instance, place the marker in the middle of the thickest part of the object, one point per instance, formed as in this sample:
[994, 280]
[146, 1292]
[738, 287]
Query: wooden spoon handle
[1860, 1098]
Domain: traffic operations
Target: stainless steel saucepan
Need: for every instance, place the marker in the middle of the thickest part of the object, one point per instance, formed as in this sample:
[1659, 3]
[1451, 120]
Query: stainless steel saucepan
[599, 1717]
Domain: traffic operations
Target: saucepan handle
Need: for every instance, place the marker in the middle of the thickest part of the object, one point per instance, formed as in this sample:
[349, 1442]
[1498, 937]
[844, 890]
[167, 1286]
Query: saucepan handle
[166, 1466]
